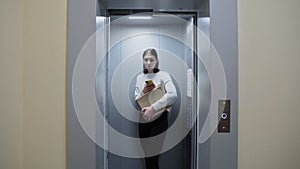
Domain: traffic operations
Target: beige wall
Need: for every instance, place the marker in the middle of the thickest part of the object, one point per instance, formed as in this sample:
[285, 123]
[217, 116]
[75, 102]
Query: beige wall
[44, 77]
[269, 84]
[11, 84]
[33, 80]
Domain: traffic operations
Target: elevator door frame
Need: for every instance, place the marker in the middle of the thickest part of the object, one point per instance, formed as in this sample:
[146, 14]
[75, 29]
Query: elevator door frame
[223, 34]
[192, 135]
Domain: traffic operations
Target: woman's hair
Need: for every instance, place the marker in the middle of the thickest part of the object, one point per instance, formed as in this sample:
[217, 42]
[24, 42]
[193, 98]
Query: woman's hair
[153, 53]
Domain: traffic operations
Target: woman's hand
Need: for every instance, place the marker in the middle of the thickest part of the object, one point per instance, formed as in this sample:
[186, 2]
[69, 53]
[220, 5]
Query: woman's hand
[148, 88]
[148, 113]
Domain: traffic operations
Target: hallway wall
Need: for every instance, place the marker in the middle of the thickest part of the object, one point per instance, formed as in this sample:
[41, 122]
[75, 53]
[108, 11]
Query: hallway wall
[11, 84]
[44, 84]
[33, 84]
[269, 80]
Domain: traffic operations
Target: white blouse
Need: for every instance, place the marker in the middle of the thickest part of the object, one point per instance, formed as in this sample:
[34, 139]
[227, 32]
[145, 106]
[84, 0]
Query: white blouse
[160, 79]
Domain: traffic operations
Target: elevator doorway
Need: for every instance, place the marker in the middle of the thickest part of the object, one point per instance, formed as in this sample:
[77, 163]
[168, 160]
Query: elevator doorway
[86, 147]
[127, 36]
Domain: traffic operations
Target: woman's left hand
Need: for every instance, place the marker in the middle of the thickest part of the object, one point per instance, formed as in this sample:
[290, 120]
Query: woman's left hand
[148, 113]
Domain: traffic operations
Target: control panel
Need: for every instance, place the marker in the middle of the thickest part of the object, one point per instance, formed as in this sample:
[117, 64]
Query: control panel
[224, 116]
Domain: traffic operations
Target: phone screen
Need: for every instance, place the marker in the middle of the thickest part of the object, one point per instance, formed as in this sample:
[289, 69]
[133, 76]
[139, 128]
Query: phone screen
[149, 82]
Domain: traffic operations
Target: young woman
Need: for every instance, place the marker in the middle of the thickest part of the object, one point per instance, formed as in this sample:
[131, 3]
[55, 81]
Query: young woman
[153, 127]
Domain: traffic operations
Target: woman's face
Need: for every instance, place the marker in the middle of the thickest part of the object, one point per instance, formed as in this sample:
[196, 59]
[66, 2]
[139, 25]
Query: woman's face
[150, 62]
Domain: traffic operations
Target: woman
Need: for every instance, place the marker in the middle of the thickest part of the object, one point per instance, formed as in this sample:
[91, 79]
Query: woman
[158, 79]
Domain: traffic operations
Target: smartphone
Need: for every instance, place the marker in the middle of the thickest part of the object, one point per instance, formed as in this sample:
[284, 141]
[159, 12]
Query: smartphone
[149, 82]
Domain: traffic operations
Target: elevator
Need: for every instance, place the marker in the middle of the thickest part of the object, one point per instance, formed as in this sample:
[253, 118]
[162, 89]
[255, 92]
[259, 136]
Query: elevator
[196, 41]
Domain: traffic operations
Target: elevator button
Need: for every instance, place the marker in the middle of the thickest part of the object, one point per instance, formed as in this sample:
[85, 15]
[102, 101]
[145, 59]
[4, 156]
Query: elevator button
[224, 116]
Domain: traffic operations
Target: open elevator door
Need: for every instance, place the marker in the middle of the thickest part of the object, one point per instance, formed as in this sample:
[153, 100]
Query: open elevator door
[220, 149]
[128, 34]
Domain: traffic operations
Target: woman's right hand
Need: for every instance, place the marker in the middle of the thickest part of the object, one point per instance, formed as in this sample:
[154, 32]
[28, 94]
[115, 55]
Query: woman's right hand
[148, 88]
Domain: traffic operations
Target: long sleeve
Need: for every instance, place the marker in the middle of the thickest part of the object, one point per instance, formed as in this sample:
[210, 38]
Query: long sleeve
[170, 96]
[137, 92]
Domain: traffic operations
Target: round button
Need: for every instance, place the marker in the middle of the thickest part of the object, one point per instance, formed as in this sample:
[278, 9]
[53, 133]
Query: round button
[224, 116]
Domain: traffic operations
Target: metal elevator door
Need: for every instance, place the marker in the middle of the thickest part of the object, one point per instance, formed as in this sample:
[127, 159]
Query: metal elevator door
[127, 38]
